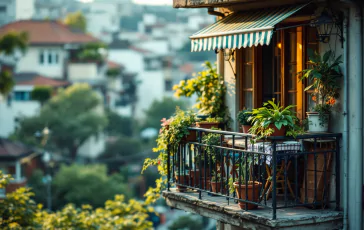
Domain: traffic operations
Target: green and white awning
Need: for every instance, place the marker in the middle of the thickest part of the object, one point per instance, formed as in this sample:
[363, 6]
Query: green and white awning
[242, 29]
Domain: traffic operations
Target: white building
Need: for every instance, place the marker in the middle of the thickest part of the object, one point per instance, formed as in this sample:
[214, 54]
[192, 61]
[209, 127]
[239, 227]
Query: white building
[49, 56]
[13, 10]
[147, 66]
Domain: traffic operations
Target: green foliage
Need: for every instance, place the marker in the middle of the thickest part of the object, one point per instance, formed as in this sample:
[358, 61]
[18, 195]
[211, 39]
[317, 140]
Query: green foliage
[9, 44]
[73, 116]
[119, 125]
[210, 90]
[19, 211]
[213, 120]
[243, 117]
[211, 139]
[187, 223]
[41, 93]
[113, 73]
[6, 82]
[324, 75]
[276, 115]
[168, 140]
[77, 184]
[92, 52]
[76, 21]
[122, 147]
[159, 109]
[12, 41]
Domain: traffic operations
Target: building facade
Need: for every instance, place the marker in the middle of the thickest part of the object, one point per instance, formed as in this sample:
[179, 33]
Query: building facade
[261, 46]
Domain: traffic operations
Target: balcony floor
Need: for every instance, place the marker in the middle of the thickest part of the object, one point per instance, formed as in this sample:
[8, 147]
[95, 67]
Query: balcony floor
[229, 212]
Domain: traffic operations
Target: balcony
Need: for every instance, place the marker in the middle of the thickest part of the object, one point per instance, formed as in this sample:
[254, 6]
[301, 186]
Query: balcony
[292, 182]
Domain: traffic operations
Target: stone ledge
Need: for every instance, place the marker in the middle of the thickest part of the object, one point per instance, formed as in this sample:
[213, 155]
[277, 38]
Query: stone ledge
[218, 208]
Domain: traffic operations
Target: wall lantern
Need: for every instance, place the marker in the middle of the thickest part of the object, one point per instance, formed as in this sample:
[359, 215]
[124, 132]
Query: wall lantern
[229, 54]
[324, 24]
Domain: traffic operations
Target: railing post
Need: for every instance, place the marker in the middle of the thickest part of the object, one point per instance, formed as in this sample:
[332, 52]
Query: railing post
[274, 195]
[168, 168]
[337, 172]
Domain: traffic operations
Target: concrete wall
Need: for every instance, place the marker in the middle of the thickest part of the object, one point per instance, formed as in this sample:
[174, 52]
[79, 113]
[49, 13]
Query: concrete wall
[8, 113]
[24, 9]
[30, 62]
[83, 71]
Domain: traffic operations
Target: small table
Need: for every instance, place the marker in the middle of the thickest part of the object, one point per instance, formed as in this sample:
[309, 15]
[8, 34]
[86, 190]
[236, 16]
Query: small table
[267, 148]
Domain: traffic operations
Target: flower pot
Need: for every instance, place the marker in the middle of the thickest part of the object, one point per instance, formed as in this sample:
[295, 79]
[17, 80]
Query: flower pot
[216, 187]
[181, 179]
[246, 128]
[241, 193]
[277, 132]
[314, 123]
[207, 125]
[191, 137]
[195, 177]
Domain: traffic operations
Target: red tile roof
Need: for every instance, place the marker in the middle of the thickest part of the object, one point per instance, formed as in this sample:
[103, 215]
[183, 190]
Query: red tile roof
[14, 149]
[187, 68]
[113, 65]
[47, 32]
[38, 80]
[140, 50]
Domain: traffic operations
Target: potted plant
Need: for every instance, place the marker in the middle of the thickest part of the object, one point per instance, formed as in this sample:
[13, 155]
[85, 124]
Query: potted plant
[246, 188]
[323, 76]
[181, 178]
[274, 120]
[243, 118]
[210, 122]
[216, 181]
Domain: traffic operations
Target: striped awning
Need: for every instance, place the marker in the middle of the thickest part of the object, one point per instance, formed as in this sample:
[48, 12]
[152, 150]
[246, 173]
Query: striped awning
[242, 29]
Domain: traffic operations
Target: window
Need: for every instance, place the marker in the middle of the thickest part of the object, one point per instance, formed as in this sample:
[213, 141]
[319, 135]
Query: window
[168, 85]
[312, 46]
[48, 57]
[268, 72]
[22, 96]
[247, 78]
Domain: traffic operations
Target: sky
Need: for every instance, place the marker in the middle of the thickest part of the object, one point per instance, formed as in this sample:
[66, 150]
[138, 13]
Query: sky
[154, 2]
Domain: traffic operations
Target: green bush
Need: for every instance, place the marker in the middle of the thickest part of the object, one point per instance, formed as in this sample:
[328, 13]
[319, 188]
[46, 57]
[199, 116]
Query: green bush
[41, 93]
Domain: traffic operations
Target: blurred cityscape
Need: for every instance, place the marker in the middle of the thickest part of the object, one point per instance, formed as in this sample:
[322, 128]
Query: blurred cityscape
[87, 97]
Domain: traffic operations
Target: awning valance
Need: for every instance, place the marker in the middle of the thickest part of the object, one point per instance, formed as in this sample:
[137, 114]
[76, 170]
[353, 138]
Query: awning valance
[242, 29]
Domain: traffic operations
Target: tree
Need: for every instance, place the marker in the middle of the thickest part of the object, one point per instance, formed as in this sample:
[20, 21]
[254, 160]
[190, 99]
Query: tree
[9, 44]
[87, 184]
[19, 211]
[76, 21]
[41, 93]
[73, 116]
[161, 109]
[119, 125]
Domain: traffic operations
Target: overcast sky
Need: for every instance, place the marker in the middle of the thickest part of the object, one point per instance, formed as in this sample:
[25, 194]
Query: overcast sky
[154, 2]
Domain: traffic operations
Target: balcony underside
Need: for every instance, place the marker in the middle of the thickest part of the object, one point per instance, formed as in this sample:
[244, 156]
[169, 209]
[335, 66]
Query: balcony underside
[226, 212]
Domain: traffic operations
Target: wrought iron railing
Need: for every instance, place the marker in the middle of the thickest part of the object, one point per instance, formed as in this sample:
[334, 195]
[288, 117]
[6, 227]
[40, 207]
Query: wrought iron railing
[281, 172]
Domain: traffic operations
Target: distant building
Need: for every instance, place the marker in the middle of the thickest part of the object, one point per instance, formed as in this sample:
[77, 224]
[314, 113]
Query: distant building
[17, 160]
[52, 60]
[13, 10]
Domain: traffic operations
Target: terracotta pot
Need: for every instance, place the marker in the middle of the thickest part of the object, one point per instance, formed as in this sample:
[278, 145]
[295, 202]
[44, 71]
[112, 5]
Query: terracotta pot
[181, 179]
[242, 195]
[195, 176]
[207, 125]
[216, 187]
[191, 137]
[246, 128]
[278, 132]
